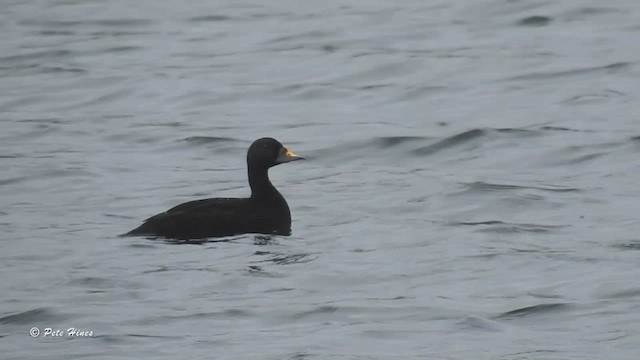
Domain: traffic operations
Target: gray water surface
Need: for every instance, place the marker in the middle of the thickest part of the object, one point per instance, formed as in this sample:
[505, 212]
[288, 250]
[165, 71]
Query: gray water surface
[471, 189]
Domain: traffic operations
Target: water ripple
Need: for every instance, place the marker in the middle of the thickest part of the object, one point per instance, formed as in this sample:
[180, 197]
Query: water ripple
[535, 310]
[605, 69]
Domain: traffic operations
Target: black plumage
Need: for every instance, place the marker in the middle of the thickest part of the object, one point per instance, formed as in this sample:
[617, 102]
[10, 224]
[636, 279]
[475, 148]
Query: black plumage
[265, 212]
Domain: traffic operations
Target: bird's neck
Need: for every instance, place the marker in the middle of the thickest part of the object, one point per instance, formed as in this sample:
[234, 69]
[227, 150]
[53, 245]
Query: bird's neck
[261, 187]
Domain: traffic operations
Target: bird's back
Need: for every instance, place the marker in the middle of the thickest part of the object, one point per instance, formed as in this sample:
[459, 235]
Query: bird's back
[217, 217]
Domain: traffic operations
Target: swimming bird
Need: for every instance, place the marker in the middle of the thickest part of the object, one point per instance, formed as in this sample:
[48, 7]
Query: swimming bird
[265, 212]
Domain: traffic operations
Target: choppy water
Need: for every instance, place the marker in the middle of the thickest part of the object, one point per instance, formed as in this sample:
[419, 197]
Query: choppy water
[471, 190]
